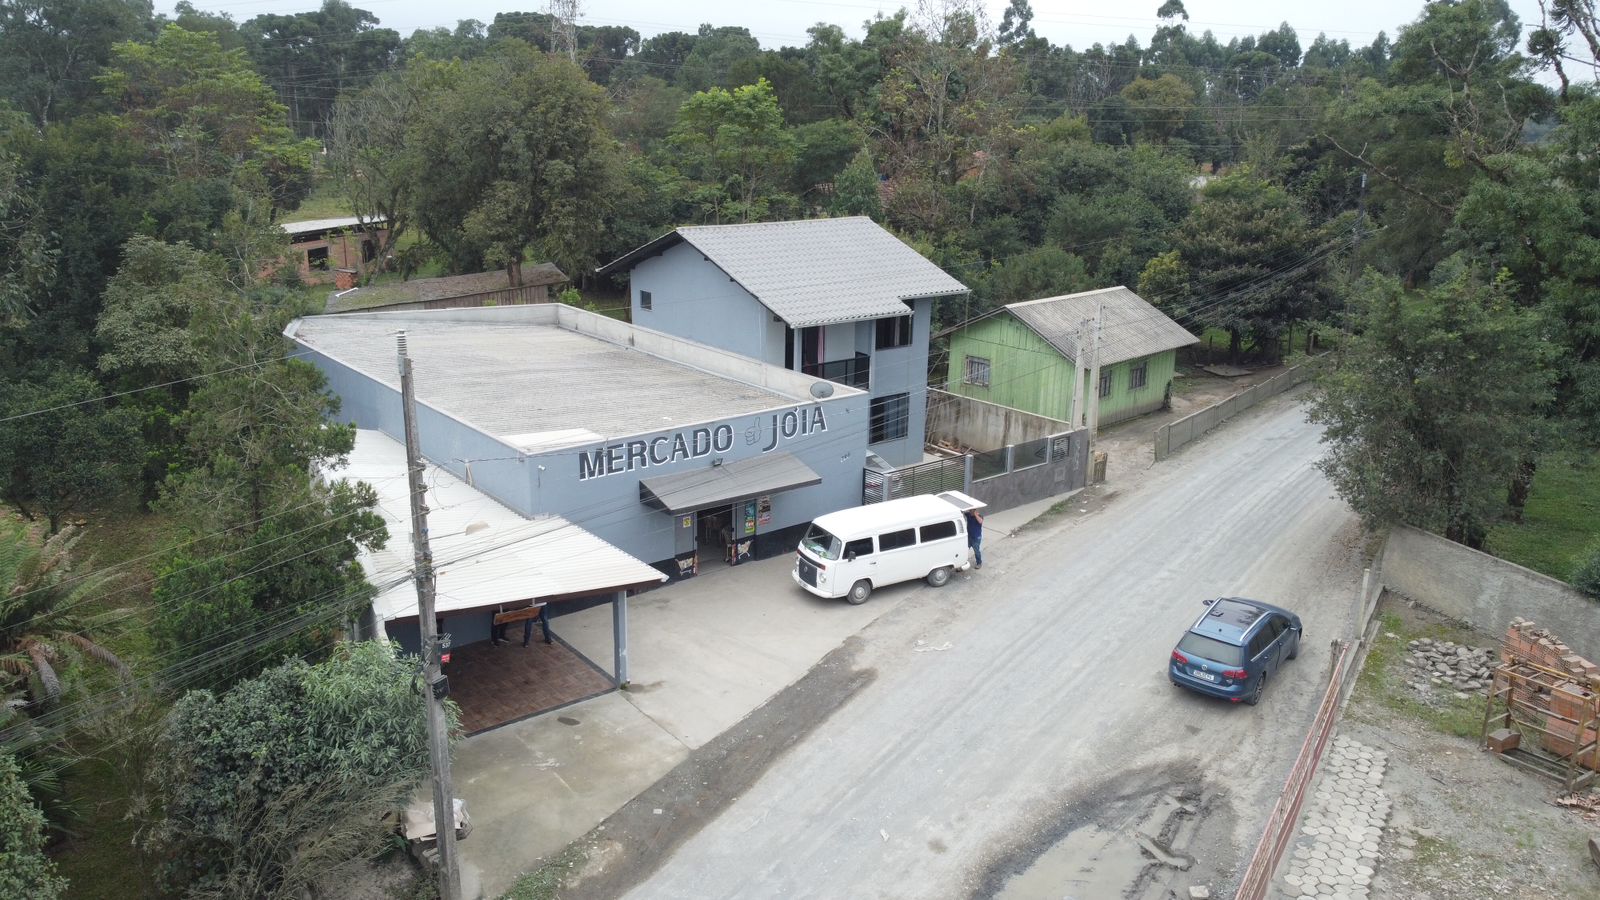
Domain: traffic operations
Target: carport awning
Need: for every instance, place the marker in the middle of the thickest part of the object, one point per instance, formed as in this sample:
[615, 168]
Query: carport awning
[686, 492]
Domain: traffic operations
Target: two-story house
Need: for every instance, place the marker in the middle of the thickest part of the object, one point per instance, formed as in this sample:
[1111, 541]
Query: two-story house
[840, 299]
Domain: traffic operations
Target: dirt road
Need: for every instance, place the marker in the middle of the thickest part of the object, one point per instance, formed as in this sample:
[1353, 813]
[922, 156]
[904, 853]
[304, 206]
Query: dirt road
[1020, 738]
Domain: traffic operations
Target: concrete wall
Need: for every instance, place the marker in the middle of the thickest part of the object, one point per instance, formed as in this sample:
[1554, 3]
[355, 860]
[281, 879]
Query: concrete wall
[978, 425]
[1064, 472]
[1171, 438]
[691, 297]
[1485, 591]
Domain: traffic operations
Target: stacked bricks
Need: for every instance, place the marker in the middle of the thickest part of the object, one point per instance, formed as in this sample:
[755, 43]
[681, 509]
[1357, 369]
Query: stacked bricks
[1575, 699]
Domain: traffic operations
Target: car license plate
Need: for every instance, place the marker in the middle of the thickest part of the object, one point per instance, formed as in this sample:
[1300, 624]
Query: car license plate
[1206, 675]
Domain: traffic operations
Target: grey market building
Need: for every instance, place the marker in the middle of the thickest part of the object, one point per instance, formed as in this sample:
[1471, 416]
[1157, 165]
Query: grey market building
[679, 454]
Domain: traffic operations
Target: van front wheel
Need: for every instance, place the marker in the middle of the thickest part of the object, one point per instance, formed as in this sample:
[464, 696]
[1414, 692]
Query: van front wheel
[939, 577]
[859, 592]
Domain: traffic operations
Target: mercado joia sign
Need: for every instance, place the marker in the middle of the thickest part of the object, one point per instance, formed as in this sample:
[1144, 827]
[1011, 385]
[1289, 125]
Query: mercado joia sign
[693, 443]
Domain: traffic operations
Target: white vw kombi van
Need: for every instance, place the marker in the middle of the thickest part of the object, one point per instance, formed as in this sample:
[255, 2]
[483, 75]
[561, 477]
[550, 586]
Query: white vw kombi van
[850, 552]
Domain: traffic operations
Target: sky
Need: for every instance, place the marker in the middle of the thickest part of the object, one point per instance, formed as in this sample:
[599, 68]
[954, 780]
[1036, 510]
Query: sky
[777, 23]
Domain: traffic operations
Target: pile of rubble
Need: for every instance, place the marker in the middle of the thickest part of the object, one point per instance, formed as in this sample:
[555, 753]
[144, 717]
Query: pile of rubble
[1451, 666]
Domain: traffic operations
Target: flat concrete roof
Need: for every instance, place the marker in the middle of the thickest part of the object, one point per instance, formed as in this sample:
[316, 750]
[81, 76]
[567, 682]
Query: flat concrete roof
[547, 376]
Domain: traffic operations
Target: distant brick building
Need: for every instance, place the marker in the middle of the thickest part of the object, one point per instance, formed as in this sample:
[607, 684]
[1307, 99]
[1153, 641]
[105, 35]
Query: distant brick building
[321, 248]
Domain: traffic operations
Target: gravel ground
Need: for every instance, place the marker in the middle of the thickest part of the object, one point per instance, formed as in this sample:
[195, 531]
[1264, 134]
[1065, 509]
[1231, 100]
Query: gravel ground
[1464, 825]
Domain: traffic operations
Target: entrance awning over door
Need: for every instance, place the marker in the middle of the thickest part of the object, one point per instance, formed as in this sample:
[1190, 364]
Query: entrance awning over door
[686, 492]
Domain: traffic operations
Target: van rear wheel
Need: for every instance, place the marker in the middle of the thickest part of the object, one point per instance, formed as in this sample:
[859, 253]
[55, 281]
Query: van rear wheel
[939, 577]
[859, 592]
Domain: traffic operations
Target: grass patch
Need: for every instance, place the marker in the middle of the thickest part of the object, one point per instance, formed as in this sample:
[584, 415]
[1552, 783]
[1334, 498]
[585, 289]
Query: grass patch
[325, 202]
[546, 882]
[1383, 684]
[1559, 524]
[100, 860]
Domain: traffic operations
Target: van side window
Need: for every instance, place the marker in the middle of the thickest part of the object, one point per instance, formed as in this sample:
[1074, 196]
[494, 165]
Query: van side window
[938, 531]
[894, 540]
[858, 547]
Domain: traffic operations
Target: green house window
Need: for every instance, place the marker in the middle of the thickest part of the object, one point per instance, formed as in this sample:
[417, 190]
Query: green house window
[1105, 383]
[1138, 376]
[977, 371]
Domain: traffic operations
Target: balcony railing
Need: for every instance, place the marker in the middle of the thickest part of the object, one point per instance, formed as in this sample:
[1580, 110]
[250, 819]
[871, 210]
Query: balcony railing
[856, 373]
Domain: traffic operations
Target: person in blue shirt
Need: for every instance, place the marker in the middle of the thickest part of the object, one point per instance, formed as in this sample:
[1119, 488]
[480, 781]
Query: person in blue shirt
[975, 536]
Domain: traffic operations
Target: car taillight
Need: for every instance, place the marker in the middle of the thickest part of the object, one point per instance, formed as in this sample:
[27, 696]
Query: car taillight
[1182, 660]
[1235, 673]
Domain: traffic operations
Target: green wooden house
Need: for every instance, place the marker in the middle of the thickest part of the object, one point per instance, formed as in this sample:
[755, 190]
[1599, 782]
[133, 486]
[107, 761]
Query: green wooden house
[1026, 355]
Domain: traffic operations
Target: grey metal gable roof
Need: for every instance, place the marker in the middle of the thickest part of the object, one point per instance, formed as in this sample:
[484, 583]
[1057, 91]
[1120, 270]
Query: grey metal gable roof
[1130, 327]
[813, 271]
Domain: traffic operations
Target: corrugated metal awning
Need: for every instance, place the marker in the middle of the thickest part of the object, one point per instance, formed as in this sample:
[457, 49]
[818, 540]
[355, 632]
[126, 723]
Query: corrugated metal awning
[720, 485]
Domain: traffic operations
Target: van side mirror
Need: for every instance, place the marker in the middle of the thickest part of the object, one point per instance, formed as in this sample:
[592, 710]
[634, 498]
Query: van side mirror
[850, 556]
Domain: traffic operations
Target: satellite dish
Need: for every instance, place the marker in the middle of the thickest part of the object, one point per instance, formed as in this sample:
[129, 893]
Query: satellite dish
[822, 390]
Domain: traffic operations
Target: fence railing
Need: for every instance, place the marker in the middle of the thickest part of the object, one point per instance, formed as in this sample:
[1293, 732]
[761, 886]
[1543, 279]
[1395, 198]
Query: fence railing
[511, 296]
[923, 478]
[856, 373]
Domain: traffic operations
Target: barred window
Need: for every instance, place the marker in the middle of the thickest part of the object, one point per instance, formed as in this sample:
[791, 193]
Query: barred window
[977, 372]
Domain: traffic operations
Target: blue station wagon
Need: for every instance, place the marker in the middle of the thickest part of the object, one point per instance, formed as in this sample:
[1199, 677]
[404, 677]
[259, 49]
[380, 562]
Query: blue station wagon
[1233, 649]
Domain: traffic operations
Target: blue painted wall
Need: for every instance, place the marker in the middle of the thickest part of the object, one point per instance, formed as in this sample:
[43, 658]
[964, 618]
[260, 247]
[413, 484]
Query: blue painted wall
[692, 297]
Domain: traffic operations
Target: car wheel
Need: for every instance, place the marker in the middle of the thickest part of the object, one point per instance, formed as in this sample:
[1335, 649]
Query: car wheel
[859, 592]
[1255, 695]
[939, 577]
[1294, 649]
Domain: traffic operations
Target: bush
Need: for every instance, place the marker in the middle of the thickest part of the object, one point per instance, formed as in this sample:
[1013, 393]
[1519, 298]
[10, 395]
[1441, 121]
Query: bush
[286, 777]
[24, 869]
[1586, 577]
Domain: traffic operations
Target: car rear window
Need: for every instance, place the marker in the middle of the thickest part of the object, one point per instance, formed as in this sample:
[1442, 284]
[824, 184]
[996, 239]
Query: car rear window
[1212, 649]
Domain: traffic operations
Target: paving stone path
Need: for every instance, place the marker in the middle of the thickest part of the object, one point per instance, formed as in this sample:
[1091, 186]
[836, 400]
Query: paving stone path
[1336, 852]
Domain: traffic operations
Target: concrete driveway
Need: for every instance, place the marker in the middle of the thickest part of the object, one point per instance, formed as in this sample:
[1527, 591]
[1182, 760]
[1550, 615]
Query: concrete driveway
[705, 652]
[1020, 737]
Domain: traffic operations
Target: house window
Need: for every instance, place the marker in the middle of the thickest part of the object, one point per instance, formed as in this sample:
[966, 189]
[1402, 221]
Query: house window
[977, 371]
[890, 418]
[894, 332]
[644, 299]
[317, 257]
[1138, 376]
[1105, 383]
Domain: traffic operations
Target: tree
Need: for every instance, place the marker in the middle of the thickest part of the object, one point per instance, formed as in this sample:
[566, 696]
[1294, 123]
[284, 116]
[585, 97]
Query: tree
[51, 51]
[24, 869]
[1160, 106]
[1586, 575]
[62, 447]
[1045, 272]
[513, 156]
[1253, 261]
[855, 190]
[204, 114]
[1435, 401]
[151, 303]
[272, 551]
[44, 622]
[369, 153]
[735, 149]
[26, 255]
[311, 58]
[283, 779]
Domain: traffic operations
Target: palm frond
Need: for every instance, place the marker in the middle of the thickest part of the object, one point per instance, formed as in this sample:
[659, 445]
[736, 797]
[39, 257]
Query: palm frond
[49, 681]
[100, 653]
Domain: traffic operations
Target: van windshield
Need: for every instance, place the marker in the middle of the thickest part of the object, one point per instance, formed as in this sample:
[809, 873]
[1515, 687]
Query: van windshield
[821, 543]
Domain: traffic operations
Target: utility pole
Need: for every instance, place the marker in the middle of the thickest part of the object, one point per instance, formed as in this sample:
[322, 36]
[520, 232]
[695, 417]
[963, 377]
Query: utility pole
[564, 21]
[435, 685]
[1094, 396]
